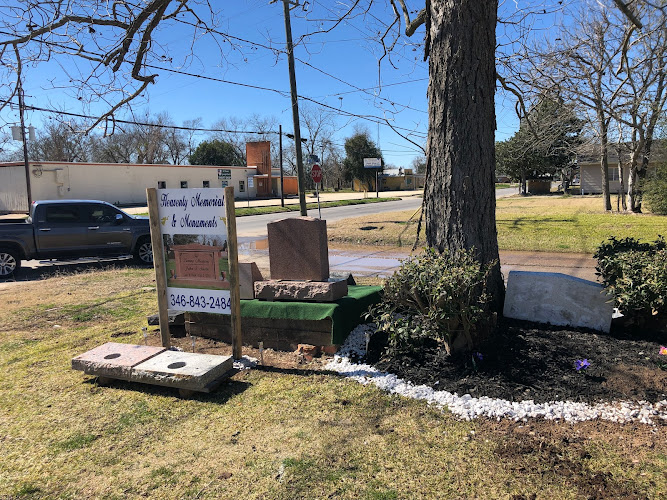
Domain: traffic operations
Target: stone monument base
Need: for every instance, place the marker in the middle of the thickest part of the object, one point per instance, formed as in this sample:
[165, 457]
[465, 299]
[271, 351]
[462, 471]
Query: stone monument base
[301, 291]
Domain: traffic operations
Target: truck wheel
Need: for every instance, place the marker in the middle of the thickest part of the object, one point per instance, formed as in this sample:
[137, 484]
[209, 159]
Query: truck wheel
[143, 252]
[10, 262]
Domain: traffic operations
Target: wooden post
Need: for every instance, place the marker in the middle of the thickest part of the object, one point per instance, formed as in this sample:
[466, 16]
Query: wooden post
[160, 268]
[233, 257]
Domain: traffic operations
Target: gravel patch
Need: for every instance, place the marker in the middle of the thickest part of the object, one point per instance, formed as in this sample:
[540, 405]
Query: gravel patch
[346, 362]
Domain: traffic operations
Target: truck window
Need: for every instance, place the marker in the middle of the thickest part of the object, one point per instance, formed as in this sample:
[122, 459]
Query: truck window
[102, 214]
[64, 214]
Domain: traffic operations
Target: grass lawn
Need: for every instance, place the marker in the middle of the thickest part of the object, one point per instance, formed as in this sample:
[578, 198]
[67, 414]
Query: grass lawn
[271, 432]
[294, 207]
[535, 223]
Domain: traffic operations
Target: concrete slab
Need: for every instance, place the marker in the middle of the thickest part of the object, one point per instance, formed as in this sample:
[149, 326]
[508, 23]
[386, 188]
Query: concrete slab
[114, 360]
[558, 299]
[183, 370]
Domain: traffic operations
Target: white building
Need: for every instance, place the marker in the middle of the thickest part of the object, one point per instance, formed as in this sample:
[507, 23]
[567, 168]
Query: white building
[118, 183]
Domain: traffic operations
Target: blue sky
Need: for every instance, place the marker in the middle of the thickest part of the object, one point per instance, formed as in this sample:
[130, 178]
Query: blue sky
[331, 67]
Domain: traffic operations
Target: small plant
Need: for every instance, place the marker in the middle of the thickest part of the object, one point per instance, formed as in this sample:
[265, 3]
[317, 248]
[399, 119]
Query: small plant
[581, 364]
[434, 296]
[655, 190]
[636, 276]
[476, 357]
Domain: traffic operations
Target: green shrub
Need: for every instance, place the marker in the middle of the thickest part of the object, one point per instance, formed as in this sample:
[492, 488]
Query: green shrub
[655, 191]
[434, 296]
[636, 275]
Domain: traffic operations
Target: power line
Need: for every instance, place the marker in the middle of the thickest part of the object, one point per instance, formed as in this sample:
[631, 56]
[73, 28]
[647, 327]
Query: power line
[281, 51]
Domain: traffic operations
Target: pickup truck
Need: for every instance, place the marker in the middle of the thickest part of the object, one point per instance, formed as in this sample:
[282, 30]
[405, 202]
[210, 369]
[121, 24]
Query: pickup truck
[65, 229]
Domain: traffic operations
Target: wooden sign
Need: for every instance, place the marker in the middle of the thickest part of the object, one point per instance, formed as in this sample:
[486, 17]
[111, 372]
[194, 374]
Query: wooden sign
[193, 233]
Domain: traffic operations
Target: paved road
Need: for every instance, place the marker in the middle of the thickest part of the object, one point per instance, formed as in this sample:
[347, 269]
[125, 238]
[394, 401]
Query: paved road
[255, 226]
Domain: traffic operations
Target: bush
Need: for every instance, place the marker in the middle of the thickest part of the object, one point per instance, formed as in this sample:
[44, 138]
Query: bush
[655, 191]
[434, 296]
[636, 276]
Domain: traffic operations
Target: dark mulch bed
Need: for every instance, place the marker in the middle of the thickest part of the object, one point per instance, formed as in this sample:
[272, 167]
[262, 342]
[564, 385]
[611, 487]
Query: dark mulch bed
[532, 361]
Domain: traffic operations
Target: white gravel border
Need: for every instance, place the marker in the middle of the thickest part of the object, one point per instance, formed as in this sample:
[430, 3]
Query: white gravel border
[467, 407]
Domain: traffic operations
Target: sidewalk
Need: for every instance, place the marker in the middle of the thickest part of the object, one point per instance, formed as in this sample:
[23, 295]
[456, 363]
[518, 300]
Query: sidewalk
[310, 198]
[384, 261]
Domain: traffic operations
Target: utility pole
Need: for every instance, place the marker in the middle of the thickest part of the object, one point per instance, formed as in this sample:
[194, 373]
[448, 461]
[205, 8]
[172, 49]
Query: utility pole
[25, 145]
[282, 185]
[301, 180]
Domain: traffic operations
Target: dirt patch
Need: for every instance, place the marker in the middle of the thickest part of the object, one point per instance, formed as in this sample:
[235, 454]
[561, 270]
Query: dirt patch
[528, 361]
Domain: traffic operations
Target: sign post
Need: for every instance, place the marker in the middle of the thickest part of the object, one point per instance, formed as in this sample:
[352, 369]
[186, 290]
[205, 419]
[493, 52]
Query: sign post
[234, 289]
[316, 174]
[249, 185]
[193, 233]
[375, 163]
[159, 264]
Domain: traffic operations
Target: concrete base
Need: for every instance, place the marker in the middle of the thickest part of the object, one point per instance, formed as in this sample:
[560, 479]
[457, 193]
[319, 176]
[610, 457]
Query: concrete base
[313, 291]
[557, 299]
[155, 366]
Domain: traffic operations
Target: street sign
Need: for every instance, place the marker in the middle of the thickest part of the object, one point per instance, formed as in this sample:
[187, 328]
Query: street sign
[316, 173]
[372, 162]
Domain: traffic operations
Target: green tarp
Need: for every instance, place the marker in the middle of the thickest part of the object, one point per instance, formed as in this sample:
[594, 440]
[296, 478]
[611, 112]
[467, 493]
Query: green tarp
[345, 313]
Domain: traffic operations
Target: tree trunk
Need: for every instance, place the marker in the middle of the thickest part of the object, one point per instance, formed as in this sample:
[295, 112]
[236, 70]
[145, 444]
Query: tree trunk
[523, 183]
[459, 198]
[604, 160]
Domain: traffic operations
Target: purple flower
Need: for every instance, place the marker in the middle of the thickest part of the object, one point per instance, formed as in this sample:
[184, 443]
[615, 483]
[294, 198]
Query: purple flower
[478, 355]
[581, 364]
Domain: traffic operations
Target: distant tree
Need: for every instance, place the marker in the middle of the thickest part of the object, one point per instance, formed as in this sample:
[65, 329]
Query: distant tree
[58, 141]
[358, 147]
[419, 165]
[544, 145]
[216, 152]
[117, 148]
[180, 143]
[141, 142]
[238, 131]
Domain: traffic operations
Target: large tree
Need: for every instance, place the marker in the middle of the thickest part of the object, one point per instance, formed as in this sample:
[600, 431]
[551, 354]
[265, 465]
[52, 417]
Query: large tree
[216, 152]
[545, 144]
[358, 147]
[459, 196]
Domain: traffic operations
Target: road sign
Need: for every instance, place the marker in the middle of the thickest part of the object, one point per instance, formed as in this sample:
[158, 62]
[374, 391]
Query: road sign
[316, 173]
[372, 162]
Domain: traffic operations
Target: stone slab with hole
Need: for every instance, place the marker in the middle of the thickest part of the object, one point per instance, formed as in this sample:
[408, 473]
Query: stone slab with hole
[189, 372]
[114, 360]
[183, 370]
